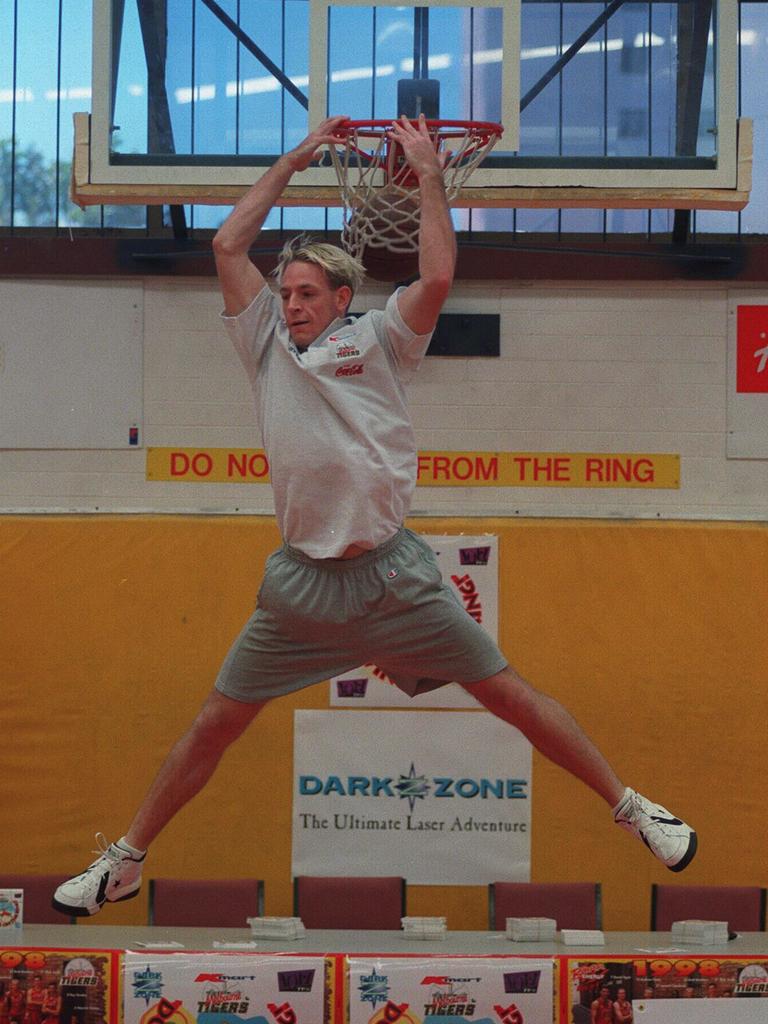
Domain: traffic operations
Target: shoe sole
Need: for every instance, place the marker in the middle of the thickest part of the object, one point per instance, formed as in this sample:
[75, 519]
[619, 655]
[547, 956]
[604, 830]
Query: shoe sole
[690, 853]
[64, 908]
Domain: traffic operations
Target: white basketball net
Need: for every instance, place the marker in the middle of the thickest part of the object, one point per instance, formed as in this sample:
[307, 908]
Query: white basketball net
[380, 192]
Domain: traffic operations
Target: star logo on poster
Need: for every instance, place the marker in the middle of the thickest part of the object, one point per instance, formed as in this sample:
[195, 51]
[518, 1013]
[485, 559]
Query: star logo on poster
[147, 984]
[373, 988]
[412, 787]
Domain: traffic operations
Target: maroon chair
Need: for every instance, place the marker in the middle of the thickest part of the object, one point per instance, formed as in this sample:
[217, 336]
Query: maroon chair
[742, 906]
[571, 904]
[361, 903]
[205, 903]
[38, 893]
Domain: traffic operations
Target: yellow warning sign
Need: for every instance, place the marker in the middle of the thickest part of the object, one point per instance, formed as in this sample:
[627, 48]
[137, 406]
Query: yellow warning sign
[442, 468]
[208, 465]
[548, 469]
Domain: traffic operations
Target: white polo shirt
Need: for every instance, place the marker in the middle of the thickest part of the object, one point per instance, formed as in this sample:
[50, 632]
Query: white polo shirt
[334, 422]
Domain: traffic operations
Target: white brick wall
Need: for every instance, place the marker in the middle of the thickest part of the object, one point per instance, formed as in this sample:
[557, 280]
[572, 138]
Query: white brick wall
[600, 367]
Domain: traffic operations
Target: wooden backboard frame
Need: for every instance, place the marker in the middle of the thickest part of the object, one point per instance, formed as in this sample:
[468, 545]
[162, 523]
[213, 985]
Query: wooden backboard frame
[86, 192]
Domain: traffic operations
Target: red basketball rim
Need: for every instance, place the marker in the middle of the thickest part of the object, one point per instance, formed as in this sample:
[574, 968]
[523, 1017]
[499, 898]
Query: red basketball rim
[376, 126]
[481, 132]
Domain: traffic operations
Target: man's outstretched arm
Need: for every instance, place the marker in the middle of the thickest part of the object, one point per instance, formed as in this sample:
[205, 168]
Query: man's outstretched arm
[240, 280]
[421, 302]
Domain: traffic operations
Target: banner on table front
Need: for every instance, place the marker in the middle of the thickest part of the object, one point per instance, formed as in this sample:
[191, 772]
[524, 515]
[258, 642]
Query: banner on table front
[470, 566]
[444, 990]
[58, 985]
[694, 987]
[223, 988]
[441, 799]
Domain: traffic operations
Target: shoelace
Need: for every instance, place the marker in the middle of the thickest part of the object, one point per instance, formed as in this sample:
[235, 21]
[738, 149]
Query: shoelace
[633, 811]
[105, 850]
[638, 816]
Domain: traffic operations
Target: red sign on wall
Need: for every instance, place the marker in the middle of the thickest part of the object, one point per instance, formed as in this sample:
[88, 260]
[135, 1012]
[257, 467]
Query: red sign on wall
[752, 349]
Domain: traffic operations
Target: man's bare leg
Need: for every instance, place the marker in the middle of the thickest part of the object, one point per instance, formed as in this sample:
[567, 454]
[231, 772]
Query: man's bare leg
[555, 733]
[116, 874]
[190, 764]
[552, 730]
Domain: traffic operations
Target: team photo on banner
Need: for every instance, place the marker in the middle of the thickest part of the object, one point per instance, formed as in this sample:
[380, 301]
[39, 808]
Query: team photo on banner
[673, 988]
[58, 985]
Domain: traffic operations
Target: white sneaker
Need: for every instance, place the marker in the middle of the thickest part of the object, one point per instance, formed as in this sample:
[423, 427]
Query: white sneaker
[114, 876]
[666, 836]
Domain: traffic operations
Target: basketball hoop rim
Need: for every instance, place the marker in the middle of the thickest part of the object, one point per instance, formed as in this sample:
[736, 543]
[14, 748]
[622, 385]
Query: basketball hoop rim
[367, 203]
[445, 128]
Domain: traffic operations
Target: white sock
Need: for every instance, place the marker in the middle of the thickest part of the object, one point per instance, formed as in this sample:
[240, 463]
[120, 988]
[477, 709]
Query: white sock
[137, 854]
[627, 794]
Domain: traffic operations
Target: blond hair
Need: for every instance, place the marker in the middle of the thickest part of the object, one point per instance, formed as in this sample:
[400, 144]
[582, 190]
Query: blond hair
[338, 266]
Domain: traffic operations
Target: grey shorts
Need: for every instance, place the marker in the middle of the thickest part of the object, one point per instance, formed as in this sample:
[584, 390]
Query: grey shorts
[317, 618]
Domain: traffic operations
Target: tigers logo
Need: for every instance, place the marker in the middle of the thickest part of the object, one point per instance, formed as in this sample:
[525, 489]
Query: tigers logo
[754, 979]
[588, 976]
[345, 350]
[79, 972]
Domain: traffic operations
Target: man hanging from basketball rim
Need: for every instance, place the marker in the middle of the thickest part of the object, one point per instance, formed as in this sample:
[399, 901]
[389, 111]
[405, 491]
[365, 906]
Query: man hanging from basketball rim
[350, 583]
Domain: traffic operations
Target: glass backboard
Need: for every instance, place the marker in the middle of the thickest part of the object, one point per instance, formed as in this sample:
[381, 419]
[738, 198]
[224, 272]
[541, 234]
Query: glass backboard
[615, 95]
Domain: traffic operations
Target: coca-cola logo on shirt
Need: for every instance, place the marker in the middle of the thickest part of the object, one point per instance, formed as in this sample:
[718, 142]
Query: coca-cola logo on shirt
[351, 370]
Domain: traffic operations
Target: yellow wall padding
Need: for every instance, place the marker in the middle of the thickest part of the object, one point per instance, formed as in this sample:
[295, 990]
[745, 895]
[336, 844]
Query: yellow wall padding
[112, 630]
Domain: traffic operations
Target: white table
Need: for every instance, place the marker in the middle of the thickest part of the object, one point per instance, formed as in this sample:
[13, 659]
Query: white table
[98, 936]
